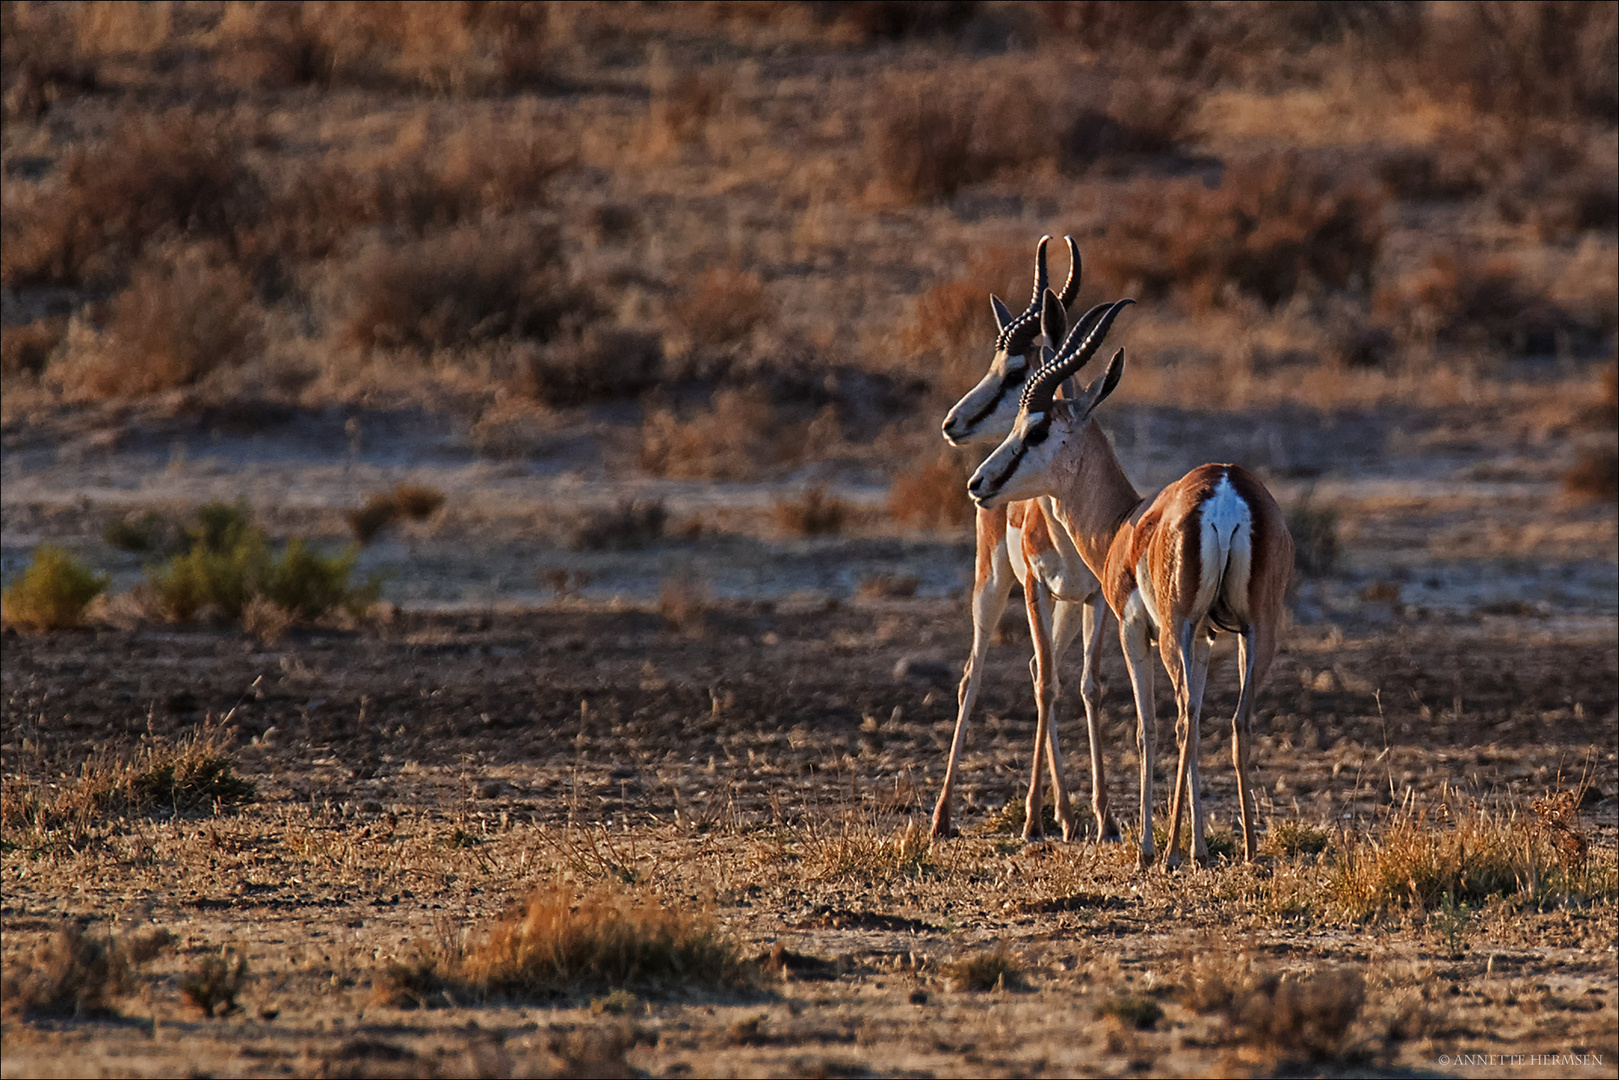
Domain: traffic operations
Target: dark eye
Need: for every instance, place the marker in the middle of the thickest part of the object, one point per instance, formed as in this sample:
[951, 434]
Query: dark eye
[1036, 436]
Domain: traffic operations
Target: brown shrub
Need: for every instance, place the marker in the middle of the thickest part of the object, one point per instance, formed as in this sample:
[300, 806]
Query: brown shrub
[897, 19]
[464, 47]
[174, 172]
[723, 307]
[931, 495]
[921, 142]
[77, 975]
[464, 287]
[1307, 1015]
[1478, 303]
[28, 347]
[629, 526]
[1594, 474]
[180, 318]
[1551, 58]
[214, 986]
[816, 514]
[368, 521]
[740, 436]
[598, 364]
[1143, 116]
[458, 178]
[1272, 225]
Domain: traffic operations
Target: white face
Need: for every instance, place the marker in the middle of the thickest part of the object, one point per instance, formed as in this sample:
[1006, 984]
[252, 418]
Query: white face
[989, 409]
[1020, 468]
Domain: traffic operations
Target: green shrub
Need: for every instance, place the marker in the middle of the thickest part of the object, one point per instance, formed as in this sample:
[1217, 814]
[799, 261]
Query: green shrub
[52, 593]
[229, 564]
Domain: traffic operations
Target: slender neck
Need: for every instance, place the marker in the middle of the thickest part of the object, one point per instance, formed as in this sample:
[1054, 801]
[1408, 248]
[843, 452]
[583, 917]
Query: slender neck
[1093, 498]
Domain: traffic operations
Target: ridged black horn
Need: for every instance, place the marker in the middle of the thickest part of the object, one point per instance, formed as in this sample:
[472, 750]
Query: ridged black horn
[1079, 347]
[1070, 288]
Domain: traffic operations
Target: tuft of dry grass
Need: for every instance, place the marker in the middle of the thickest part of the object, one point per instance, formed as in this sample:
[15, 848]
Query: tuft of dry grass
[1594, 474]
[214, 986]
[1294, 838]
[417, 502]
[629, 526]
[683, 601]
[149, 533]
[554, 947]
[75, 974]
[194, 773]
[816, 514]
[861, 851]
[1296, 1015]
[52, 593]
[1464, 856]
[1314, 529]
[27, 348]
[723, 307]
[1141, 1013]
[997, 970]
[741, 436]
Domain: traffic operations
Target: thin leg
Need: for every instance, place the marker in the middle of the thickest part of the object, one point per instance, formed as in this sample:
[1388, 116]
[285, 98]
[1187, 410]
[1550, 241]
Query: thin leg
[990, 592]
[1068, 620]
[1044, 670]
[1133, 637]
[1095, 614]
[1177, 663]
[1197, 676]
[1255, 648]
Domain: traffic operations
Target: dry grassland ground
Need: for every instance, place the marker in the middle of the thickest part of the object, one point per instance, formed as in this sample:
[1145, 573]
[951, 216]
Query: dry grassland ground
[613, 340]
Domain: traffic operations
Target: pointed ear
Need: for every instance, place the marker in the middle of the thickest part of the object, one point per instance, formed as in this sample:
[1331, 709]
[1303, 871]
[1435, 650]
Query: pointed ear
[1101, 388]
[1053, 319]
[1003, 318]
[1070, 388]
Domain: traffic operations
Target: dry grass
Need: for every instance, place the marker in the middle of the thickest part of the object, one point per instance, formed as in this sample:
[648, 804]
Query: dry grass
[723, 307]
[1594, 475]
[1466, 855]
[554, 947]
[464, 287]
[214, 986]
[629, 526]
[27, 348]
[1316, 547]
[193, 773]
[173, 173]
[996, 970]
[418, 502]
[1271, 228]
[1308, 1016]
[1463, 302]
[77, 975]
[741, 436]
[52, 593]
[931, 495]
[186, 313]
[815, 514]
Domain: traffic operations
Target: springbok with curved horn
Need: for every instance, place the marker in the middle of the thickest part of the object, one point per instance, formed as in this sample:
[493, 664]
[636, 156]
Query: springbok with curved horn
[1021, 542]
[1209, 553]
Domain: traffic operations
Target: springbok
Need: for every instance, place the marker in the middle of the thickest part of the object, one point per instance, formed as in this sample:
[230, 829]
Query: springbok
[1021, 542]
[1209, 553]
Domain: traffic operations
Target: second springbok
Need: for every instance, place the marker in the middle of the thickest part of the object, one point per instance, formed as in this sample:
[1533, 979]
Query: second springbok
[1020, 542]
[1209, 553]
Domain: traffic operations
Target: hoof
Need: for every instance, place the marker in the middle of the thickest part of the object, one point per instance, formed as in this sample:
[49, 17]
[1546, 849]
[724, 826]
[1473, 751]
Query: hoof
[1144, 860]
[943, 830]
[1172, 861]
[1108, 833]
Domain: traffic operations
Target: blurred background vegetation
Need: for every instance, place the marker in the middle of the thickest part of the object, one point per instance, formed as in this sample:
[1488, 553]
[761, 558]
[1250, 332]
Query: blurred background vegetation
[747, 236]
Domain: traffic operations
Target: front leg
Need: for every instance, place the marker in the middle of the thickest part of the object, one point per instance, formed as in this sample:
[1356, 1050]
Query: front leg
[992, 586]
[1133, 636]
[1043, 668]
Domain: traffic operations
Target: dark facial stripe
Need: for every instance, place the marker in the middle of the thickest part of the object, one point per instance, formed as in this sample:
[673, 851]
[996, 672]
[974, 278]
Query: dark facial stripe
[1000, 395]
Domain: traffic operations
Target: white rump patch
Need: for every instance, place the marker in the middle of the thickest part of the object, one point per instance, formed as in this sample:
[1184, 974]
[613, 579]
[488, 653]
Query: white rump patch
[1227, 551]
